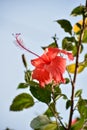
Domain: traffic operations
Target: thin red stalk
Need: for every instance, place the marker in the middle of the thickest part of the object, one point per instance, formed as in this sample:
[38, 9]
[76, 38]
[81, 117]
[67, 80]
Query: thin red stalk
[20, 43]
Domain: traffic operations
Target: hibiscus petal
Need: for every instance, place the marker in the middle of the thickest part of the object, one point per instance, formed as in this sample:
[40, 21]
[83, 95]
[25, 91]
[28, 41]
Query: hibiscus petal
[42, 76]
[59, 78]
[51, 52]
[56, 69]
[37, 62]
[70, 55]
[59, 63]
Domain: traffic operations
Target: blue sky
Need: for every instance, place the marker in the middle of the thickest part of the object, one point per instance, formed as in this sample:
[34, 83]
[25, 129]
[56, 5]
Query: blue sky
[35, 20]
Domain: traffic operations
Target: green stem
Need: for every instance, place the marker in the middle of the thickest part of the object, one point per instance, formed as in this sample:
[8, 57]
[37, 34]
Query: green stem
[55, 111]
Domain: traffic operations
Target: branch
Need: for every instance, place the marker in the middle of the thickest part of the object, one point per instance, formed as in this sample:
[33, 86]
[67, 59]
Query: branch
[75, 74]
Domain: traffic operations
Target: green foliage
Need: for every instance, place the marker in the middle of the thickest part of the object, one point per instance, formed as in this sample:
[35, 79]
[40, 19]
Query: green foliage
[79, 10]
[85, 57]
[79, 26]
[28, 76]
[57, 92]
[64, 96]
[78, 93]
[70, 44]
[22, 101]
[33, 83]
[53, 44]
[50, 110]
[67, 43]
[82, 108]
[66, 25]
[84, 39]
[68, 104]
[42, 94]
[50, 126]
[22, 85]
[85, 125]
[39, 122]
[67, 80]
[78, 125]
[74, 51]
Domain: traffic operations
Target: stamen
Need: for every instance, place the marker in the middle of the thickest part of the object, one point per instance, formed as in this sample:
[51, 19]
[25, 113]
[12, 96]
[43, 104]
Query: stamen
[19, 42]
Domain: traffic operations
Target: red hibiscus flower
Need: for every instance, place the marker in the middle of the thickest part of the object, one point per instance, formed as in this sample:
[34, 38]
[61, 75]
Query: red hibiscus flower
[50, 66]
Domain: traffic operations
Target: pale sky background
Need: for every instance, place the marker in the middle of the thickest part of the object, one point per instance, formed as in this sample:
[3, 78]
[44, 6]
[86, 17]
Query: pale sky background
[35, 20]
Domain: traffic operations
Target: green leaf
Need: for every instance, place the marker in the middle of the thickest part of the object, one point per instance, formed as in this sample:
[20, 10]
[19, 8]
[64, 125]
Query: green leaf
[33, 83]
[53, 45]
[74, 51]
[78, 125]
[61, 128]
[22, 101]
[57, 92]
[42, 94]
[84, 39]
[64, 96]
[28, 76]
[39, 122]
[68, 104]
[85, 125]
[22, 85]
[85, 63]
[67, 80]
[79, 10]
[79, 26]
[67, 43]
[66, 25]
[49, 112]
[78, 93]
[82, 108]
[85, 57]
[50, 126]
